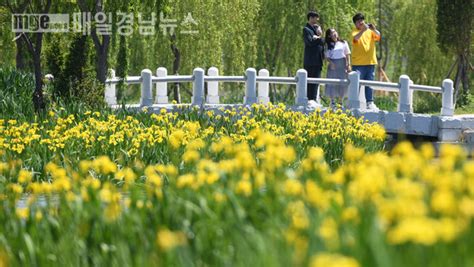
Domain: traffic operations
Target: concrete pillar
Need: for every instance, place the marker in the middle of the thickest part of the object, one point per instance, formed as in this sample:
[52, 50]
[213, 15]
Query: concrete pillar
[212, 87]
[448, 98]
[198, 87]
[111, 91]
[405, 96]
[147, 94]
[263, 87]
[354, 88]
[161, 87]
[250, 87]
[301, 87]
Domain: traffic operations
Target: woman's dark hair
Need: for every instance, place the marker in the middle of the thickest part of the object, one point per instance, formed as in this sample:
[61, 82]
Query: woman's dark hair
[329, 42]
[357, 17]
[312, 14]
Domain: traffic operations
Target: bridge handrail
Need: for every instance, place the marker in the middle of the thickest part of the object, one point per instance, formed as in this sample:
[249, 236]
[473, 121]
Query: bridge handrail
[257, 87]
[382, 86]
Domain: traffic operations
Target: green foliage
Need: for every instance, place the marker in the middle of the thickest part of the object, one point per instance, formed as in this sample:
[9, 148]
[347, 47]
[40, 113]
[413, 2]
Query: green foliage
[454, 24]
[233, 36]
[413, 49]
[16, 90]
[74, 68]
[388, 103]
[90, 92]
[424, 102]
[122, 67]
[54, 57]
[454, 27]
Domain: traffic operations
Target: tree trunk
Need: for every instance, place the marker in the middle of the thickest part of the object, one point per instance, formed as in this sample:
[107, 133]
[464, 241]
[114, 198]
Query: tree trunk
[20, 55]
[465, 72]
[35, 51]
[38, 100]
[457, 79]
[176, 65]
[102, 48]
[102, 61]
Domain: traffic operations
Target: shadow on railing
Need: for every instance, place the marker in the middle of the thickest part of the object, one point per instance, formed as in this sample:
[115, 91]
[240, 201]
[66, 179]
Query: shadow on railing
[257, 88]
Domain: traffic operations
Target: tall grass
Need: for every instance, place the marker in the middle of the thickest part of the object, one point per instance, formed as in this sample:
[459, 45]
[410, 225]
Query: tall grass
[16, 91]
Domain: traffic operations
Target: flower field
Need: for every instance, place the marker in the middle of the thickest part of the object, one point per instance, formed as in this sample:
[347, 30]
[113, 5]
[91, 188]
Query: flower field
[259, 186]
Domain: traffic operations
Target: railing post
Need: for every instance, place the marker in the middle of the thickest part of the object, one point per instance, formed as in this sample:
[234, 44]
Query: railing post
[212, 87]
[263, 87]
[354, 87]
[404, 97]
[301, 87]
[448, 99]
[161, 87]
[147, 94]
[110, 90]
[198, 87]
[251, 87]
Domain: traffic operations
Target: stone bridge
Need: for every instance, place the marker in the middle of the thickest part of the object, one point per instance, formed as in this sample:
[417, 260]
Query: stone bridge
[445, 126]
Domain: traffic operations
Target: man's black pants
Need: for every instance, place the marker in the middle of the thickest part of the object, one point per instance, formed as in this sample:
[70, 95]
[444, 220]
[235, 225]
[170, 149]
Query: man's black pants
[313, 72]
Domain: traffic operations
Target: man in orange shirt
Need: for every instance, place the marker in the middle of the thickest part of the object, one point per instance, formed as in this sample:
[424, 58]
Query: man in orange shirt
[364, 57]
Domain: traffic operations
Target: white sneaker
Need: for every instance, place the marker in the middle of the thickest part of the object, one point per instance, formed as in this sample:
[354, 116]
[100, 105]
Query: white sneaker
[313, 104]
[372, 106]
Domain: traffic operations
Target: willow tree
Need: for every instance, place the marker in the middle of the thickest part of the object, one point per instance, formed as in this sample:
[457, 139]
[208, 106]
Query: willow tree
[10, 51]
[33, 41]
[454, 27]
[101, 41]
[207, 33]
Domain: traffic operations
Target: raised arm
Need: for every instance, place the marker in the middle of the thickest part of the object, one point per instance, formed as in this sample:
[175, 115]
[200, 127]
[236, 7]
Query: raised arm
[311, 39]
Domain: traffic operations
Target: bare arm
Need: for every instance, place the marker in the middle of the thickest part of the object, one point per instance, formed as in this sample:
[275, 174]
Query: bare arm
[358, 35]
[374, 29]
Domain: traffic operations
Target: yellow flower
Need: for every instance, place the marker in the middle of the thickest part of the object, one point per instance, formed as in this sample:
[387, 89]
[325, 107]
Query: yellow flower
[316, 154]
[22, 212]
[244, 187]
[293, 187]
[191, 156]
[350, 214]
[24, 176]
[298, 214]
[4, 262]
[185, 180]
[105, 195]
[328, 230]
[332, 260]
[448, 229]
[112, 212]
[38, 215]
[352, 153]
[443, 201]
[176, 138]
[219, 197]
[168, 240]
[16, 188]
[126, 174]
[420, 230]
[104, 165]
[466, 207]
[427, 151]
[3, 166]
[316, 196]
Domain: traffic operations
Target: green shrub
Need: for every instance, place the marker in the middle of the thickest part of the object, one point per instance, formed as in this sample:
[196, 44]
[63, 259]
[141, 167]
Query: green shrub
[16, 89]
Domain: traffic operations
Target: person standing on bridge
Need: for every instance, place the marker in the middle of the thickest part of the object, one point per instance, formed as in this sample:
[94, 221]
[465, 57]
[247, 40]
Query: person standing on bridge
[338, 57]
[313, 54]
[364, 57]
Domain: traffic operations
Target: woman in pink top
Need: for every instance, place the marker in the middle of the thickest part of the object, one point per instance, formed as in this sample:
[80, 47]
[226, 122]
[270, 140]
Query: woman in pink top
[337, 53]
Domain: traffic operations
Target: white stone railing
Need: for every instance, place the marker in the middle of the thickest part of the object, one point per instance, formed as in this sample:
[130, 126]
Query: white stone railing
[257, 88]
